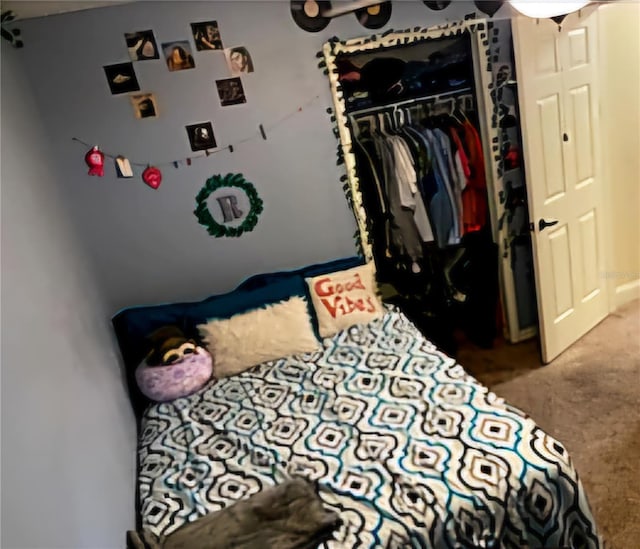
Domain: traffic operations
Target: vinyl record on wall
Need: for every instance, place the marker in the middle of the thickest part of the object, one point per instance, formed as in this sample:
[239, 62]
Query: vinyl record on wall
[437, 5]
[490, 7]
[374, 17]
[308, 14]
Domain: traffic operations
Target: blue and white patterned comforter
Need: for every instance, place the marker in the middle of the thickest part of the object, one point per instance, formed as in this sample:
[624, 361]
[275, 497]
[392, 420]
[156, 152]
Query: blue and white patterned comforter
[403, 444]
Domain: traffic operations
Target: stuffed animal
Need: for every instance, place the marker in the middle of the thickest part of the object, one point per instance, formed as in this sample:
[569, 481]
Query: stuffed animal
[169, 345]
[175, 367]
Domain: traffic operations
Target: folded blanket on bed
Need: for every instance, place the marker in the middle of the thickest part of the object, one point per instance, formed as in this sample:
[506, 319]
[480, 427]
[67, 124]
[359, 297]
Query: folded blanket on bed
[287, 516]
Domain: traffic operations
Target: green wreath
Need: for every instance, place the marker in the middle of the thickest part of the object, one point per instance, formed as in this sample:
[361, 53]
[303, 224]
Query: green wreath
[204, 215]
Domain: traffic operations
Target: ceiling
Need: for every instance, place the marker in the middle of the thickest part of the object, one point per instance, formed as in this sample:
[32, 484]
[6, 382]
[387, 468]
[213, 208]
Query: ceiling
[26, 9]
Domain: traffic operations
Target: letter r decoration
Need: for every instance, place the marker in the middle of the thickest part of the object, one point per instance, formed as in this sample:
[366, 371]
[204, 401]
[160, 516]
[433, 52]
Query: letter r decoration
[236, 220]
[229, 207]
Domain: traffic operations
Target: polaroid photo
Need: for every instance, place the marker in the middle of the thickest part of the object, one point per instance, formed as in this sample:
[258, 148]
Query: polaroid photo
[178, 55]
[142, 45]
[239, 60]
[206, 36]
[121, 78]
[201, 136]
[144, 105]
[230, 91]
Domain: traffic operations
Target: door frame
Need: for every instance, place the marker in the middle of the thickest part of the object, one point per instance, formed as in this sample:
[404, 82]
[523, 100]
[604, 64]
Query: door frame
[480, 33]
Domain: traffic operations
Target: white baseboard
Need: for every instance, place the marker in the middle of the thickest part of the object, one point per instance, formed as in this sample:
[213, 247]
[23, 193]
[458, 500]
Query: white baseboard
[626, 293]
[527, 333]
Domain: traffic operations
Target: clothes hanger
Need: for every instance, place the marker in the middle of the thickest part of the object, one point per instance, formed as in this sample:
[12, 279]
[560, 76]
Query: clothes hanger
[394, 118]
[355, 126]
[381, 124]
[389, 126]
[407, 115]
[365, 125]
[447, 118]
[416, 113]
[398, 116]
[440, 113]
[456, 113]
[429, 120]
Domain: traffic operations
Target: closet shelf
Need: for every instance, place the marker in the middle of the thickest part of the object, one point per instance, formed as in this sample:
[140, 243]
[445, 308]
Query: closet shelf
[412, 101]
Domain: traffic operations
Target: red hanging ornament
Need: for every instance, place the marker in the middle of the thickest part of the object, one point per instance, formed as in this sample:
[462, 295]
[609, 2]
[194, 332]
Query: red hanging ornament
[95, 160]
[152, 177]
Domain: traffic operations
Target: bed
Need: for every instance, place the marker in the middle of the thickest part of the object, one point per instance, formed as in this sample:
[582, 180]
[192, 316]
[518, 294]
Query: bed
[400, 441]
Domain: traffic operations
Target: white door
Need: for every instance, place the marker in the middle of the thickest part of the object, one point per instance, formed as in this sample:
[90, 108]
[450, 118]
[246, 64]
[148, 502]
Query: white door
[557, 88]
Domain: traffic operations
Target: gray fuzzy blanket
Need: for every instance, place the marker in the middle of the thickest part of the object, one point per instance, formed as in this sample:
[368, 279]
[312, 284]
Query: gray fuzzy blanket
[287, 516]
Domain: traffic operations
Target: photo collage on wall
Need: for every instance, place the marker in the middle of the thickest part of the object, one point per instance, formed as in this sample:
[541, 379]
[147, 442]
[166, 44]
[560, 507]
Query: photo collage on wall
[180, 55]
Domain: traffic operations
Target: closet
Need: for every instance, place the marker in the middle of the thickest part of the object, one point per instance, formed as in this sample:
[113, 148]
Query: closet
[424, 143]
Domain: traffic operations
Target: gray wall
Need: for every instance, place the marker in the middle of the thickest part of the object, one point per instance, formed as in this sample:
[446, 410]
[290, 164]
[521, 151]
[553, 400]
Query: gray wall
[76, 248]
[68, 434]
[147, 245]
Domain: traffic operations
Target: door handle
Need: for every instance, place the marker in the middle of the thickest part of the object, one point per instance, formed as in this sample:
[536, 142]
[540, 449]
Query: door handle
[543, 224]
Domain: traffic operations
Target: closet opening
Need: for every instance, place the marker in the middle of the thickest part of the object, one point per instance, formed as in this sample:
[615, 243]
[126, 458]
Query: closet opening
[414, 115]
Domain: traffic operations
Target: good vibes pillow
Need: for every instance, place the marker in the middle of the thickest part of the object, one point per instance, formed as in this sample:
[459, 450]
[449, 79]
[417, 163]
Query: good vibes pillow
[344, 298]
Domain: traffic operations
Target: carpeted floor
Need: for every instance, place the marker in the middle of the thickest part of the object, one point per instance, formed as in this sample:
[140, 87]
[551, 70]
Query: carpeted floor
[589, 399]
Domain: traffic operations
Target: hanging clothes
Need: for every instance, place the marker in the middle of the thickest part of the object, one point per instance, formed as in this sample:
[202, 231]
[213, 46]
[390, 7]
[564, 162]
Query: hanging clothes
[445, 145]
[474, 198]
[407, 178]
[449, 227]
[421, 184]
[404, 233]
[421, 164]
[433, 190]
[373, 196]
[461, 166]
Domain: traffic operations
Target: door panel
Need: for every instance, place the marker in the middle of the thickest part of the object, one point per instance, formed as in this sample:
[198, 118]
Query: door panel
[561, 270]
[557, 89]
[588, 236]
[578, 48]
[582, 132]
[546, 55]
[551, 146]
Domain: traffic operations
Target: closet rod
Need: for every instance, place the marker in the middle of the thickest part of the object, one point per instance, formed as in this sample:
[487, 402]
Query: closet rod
[435, 97]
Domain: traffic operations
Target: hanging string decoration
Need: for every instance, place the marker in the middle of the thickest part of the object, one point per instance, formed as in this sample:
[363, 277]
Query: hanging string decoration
[236, 205]
[95, 160]
[124, 167]
[152, 176]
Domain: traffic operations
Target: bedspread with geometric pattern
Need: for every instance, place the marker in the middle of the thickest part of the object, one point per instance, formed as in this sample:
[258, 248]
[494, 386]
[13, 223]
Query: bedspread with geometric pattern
[408, 448]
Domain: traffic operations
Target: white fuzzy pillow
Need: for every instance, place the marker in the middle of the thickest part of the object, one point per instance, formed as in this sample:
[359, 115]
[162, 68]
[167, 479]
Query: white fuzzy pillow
[247, 339]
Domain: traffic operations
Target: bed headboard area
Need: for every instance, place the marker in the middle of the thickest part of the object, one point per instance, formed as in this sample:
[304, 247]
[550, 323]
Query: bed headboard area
[133, 325]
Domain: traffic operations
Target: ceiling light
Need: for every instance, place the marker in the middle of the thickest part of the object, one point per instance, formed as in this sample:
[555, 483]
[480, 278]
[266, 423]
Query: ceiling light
[548, 8]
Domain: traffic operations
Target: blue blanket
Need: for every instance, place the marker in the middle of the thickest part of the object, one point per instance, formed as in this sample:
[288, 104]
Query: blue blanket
[402, 443]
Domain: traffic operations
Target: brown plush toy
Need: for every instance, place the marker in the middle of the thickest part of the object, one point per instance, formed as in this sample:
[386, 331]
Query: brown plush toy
[169, 345]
